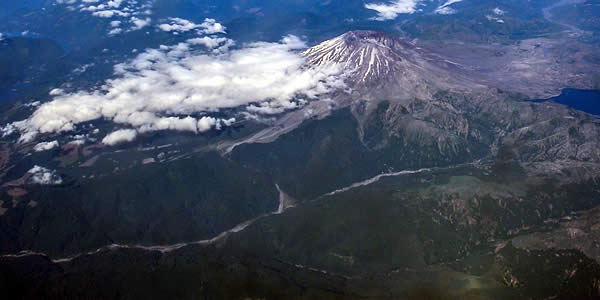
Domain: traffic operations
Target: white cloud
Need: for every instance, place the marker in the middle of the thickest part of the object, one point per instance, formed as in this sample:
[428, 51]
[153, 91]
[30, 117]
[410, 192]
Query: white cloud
[206, 123]
[445, 8]
[167, 123]
[111, 9]
[115, 31]
[9, 129]
[114, 3]
[391, 10]
[77, 142]
[83, 68]
[33, 104]
[209, 26]
[499, 12]
[1, 38]
[119, 136]
[210, 42]
[56, 92]
[28, 136]
[81, 139]
[41, 175]
[494, 19]
[45, 146]
[178, 24]
[175, 87]
[108, 13]
[139, 23]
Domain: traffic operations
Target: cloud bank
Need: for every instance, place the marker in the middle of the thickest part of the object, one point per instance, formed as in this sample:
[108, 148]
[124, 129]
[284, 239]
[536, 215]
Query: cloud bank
[178, 88]
[391, 10]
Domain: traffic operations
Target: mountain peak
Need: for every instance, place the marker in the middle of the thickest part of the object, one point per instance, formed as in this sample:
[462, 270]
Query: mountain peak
[382, 66]
[367, 38]
[370, 55]
[376, 39]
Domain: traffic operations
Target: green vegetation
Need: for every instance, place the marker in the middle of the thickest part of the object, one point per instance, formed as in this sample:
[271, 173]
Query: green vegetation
[323, 155]
[185, 200]
[389, 239]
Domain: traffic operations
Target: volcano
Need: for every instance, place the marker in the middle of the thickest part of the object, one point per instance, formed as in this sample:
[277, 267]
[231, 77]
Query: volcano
[381, 66]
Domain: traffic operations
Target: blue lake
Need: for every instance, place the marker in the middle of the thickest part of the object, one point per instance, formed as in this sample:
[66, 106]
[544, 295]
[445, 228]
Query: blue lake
[583, 100]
